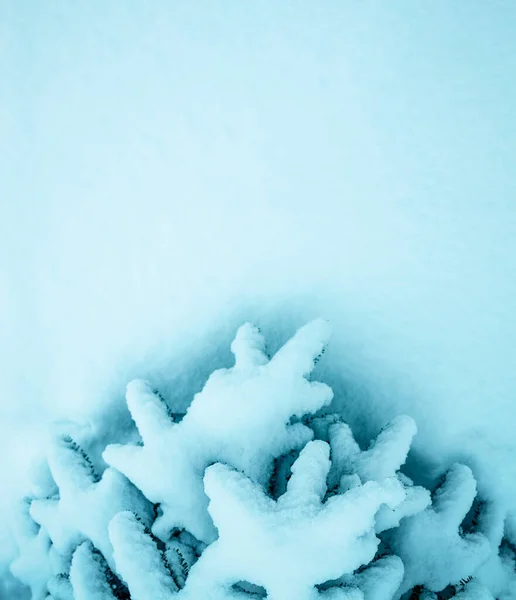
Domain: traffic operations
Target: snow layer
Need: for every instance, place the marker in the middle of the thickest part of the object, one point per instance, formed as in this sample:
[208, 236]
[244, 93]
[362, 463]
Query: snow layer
[383, 458]
[88, 575]
[86, 502]
[288, 546]
[241, 417]
[139, 561]
[309, 536]
[170, 170]
[380, 581]
[33, 566]
[431, 545]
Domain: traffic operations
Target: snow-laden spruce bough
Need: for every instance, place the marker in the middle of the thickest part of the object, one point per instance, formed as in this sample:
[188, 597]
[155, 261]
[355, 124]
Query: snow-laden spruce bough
[258, 491]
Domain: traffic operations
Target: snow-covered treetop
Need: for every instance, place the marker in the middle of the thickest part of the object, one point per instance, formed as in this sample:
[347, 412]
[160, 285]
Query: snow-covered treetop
[238, 501]
[241, 417]
[265, 541]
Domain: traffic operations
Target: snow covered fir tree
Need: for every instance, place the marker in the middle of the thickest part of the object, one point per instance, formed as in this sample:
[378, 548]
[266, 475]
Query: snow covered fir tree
[258, 491]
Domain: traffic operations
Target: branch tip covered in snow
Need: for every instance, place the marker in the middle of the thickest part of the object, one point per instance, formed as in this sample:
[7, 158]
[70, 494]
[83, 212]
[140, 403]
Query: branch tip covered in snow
[238, 501]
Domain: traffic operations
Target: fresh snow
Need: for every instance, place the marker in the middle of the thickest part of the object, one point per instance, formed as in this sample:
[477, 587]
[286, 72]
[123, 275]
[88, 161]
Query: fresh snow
[88, 575]
[171, 170]
[431, 545]
[245, 501]
[290, 545]
[241, 417]
[86, 502]
[33, 566]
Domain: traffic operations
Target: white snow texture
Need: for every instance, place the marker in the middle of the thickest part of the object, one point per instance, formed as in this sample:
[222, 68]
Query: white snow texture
[237, 500]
